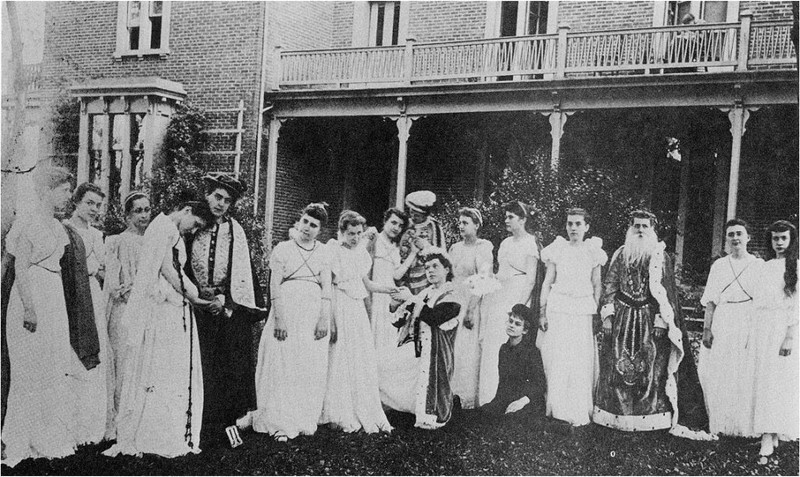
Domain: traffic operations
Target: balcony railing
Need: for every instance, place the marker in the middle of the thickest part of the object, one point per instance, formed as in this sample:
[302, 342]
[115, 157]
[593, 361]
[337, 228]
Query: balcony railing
[658, 50]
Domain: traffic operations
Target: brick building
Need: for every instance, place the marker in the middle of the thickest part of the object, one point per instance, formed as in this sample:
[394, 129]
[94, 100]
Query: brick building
[363, 101]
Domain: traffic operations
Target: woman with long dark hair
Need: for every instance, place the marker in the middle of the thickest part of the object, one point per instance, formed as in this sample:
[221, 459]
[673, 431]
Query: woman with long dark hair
[773, 338]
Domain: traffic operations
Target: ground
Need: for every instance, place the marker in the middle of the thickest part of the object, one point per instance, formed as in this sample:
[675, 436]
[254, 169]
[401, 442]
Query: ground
[468, 445]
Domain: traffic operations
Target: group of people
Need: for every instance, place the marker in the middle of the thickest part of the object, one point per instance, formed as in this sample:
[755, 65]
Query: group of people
[145, 338]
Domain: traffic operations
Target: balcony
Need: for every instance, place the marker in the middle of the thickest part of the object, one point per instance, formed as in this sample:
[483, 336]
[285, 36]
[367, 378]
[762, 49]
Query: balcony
[705, 48]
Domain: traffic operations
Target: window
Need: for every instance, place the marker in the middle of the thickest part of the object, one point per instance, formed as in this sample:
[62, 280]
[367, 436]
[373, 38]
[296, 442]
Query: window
[515, 18]
[672, 12]
[142, 28]
[384, 23]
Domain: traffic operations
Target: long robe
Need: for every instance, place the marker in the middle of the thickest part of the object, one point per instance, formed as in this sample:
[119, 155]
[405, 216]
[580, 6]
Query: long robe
[220, 266]
[416, 375]
[646, 383]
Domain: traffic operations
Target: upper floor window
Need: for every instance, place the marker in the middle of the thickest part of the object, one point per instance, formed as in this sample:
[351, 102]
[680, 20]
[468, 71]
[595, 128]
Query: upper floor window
[142, 28]
[384, 23]
[678, 12]
[519, 18]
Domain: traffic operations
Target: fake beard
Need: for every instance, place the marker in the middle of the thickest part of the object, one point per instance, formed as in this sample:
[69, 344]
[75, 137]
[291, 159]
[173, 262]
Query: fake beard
[637, 249]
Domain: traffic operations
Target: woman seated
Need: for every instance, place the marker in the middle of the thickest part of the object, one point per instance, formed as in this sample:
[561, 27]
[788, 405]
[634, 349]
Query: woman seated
[415, 376]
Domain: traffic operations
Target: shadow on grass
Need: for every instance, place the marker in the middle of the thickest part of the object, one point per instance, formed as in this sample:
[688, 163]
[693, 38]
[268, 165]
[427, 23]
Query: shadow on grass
[468, 445]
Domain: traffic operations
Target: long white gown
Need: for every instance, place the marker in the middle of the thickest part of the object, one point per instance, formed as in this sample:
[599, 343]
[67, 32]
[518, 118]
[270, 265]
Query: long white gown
[725, 371]
[162, 378]
[291, 374]
[569, 351]
[41, 418]
[468, 261]
[93, 389]
[776, 386]
[386, 261]
[352, 400]
[516, 288]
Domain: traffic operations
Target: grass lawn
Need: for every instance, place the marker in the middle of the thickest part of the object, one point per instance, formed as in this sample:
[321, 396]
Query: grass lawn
[468, 445]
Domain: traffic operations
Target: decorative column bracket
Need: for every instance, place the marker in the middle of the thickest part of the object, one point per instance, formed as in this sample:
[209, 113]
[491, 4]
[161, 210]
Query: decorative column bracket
[558, 119]
[738, 114]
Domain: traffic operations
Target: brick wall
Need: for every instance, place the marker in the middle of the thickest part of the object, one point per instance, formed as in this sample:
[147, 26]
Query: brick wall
[215, 54]
[446, 21]
[768, 10]
[342, 24]
[581, 15]
[304, 25]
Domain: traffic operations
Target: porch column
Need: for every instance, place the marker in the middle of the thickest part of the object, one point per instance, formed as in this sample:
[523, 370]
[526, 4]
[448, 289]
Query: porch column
[83, 147]
[404, 124]
[148, 124]
[558, 119]
[125, 129]
[105, 153]
[738, 116]
[272, 175]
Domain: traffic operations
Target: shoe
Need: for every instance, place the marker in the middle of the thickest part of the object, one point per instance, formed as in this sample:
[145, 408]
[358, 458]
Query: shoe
[456, 404]
[281, 438]
[233, 436]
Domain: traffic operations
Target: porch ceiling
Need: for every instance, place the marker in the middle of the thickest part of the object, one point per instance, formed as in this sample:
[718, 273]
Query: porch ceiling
[752, 88]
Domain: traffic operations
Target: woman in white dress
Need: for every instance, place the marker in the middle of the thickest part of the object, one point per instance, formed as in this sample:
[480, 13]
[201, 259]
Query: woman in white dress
[471, 256]
[161, 402]
[293, 356]
[517, 259]
[93, 391]
[41, 416]
[774, 338]
[352, 400]
[387, 269]
[122, 259]
[569, 298]
[725, 374]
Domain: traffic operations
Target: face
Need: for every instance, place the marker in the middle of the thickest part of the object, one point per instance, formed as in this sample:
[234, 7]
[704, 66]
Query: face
[352, 235]
[308, 227]
[190, 223]
[781, 242]
[393, 226]
[576, 227]
[515, 326]
[514, 222]
[88, 208]
[435, 272]
[641, 227]
[467, 227]
[219, 201]
[736, 238]
[139, 215]
[418, 217]
[59, 197]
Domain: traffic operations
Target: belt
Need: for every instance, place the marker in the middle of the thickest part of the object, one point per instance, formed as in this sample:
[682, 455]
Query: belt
[633, 302]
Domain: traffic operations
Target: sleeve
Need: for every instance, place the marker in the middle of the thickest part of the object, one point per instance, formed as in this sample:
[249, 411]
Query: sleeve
[599, 256]
[534, 375]
[610, 285]
[439, 314]
[712, 291]
[532, 248]
[277, 261]
[113, 267]
[19, 242]
[552, 253]
[100, 247]
[485, 258]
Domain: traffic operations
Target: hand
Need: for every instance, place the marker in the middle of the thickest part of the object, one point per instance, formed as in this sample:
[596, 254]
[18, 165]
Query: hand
[786, 346]
[29, 320]
[659, 332]
[280, 332]
[517, 405]
[543, 322]
[215, 307]
[607, 325]
[421, 243]
[708, 338]
[200, 302]
[404, 294]
[468, 321]
[321, 330]
[392, 290]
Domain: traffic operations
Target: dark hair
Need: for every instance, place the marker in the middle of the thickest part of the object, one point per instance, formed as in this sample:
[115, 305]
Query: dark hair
[442, 259]
[521, 210]
[403, 216]
[473, 214]
[349, 218]
[735, 222]
[199, 205]
[790, 270]
[85, 188]
[317, 210]
[579, 211]
[524, 313]
[643, 214]
[127, 206]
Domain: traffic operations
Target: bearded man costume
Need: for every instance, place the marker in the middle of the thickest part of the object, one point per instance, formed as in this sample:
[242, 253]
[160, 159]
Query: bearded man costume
[648, 378]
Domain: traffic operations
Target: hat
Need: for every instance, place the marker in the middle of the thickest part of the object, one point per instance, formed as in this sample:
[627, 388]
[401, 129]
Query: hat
[421, 201]
[235, 186]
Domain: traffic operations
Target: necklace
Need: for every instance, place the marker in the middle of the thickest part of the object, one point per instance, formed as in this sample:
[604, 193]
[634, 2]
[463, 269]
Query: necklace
[313, 246]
